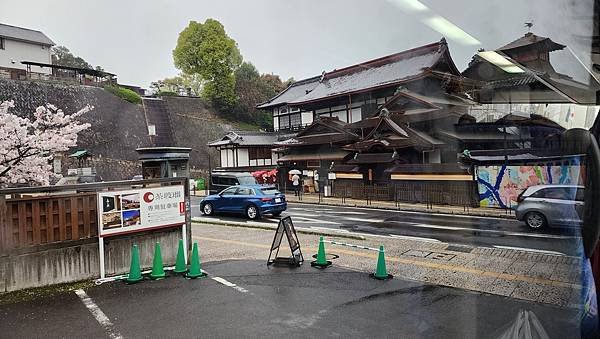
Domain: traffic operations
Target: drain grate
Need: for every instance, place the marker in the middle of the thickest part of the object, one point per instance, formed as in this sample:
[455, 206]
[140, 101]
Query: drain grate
[457, 248]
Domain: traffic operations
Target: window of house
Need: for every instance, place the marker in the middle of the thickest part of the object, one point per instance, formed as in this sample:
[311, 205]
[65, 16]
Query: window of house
[1, 43]
[342, 115]
[296, 120]
[284, 122]
[259, 153]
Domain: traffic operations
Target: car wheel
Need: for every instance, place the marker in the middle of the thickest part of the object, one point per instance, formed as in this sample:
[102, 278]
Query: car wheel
[207, 209]
[535, 220]
[277, 214]
[252, 212]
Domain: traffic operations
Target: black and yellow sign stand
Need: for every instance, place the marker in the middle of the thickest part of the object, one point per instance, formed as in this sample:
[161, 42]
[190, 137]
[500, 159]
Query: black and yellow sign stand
[296, 259]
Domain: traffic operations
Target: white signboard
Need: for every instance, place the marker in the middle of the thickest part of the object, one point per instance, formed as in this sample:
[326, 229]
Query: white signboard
[331, 176]
[141, 209]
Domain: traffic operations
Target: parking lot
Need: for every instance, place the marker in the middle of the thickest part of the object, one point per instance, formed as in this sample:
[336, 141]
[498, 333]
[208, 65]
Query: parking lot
[242, 297]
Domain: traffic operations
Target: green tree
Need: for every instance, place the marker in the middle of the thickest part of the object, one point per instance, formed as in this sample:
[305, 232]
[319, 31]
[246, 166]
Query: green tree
[252, 88]
[63, 57]
[205, 50]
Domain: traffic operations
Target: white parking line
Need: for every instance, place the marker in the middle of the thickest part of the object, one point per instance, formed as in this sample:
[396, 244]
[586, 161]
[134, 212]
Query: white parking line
[453, 228]
[229, 284]
[98, 314]
[529, 250]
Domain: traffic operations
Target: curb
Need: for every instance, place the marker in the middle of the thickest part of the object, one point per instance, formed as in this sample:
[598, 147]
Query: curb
[501, 216]
[268, 227]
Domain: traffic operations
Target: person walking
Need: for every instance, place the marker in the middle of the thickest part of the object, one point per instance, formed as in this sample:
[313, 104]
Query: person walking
[296, 184]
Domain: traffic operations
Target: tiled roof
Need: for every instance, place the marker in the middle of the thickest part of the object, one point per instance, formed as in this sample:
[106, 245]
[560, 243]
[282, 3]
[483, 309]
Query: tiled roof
[530, 39]
[389, 70]
[24, 34]
[380, 72]
[294, 91]
[244, 138]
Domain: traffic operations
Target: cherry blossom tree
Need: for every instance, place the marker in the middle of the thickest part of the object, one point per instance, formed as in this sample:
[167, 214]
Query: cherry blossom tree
[27, 146]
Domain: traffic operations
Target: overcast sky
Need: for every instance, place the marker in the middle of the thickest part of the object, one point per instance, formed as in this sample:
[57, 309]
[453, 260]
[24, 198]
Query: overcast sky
[292, 38]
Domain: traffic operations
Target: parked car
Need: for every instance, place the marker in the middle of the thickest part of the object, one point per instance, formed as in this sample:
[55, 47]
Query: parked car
[253, 201]
[551, 205]
[221, 180]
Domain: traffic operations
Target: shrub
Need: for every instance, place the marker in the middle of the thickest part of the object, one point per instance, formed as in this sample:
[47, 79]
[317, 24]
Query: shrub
[125, 94]
[166, 94]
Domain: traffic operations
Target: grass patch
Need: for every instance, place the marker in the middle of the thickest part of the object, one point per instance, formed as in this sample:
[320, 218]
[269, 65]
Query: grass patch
[42, 292]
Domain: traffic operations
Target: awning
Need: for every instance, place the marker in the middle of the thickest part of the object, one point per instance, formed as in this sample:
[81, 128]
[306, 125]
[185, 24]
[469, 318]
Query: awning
[339, 155]
[345, 168]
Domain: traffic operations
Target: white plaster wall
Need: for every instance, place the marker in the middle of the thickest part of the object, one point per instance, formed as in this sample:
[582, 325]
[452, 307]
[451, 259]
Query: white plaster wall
[23, 51]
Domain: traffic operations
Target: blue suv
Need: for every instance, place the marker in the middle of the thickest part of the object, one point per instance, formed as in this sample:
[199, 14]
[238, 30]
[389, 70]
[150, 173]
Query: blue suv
[251, 200]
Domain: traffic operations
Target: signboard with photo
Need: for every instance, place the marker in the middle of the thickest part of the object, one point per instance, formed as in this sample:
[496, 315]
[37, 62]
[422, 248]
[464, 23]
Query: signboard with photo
[141, 209]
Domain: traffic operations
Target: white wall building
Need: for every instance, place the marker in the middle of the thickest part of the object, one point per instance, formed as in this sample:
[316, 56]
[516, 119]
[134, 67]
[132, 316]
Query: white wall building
[248, 151]
[19, 44]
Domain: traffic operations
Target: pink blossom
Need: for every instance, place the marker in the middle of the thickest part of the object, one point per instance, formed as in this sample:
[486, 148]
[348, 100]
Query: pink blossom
[27, 147]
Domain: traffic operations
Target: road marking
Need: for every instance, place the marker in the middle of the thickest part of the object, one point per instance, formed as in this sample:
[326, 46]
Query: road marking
[336, 230]
[416, 262]
[408, 237]
[364, 220]
[98, 314]
[229, 284]
[411, 212]
[317, 221]
[530, 250]
[453, 228]
[348, 212]
[310, 215]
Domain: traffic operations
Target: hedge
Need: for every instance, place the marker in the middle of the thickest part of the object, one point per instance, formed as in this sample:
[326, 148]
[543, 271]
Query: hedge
[125, 94]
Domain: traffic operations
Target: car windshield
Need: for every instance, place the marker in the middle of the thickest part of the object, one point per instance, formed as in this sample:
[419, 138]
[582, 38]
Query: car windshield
[268, 168]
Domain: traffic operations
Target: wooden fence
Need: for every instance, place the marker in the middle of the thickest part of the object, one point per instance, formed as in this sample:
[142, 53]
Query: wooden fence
[35, 216]
[31, 220]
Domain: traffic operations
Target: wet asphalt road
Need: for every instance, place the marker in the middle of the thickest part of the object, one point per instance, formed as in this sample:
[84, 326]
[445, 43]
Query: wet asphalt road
[280, 302]
[455, 229]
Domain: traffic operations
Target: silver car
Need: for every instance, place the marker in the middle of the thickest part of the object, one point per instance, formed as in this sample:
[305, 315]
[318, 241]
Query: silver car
[551, 205]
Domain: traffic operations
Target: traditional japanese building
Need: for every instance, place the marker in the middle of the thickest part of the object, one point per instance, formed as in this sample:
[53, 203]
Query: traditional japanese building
[246, 151]
[531, 90]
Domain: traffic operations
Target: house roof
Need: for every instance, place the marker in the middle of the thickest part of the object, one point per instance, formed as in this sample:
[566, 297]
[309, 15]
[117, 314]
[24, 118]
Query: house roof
[245, 138]
[24, 34]
[294, 91]
[531, 39]
[381, 72]
[386, 71]
[321, 155]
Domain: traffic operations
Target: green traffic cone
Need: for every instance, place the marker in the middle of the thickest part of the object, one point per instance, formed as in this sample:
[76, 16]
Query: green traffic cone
[381, 271]
[195, 267]
[180, 262]
[135, 271]
[321, 261]
[158, 271]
